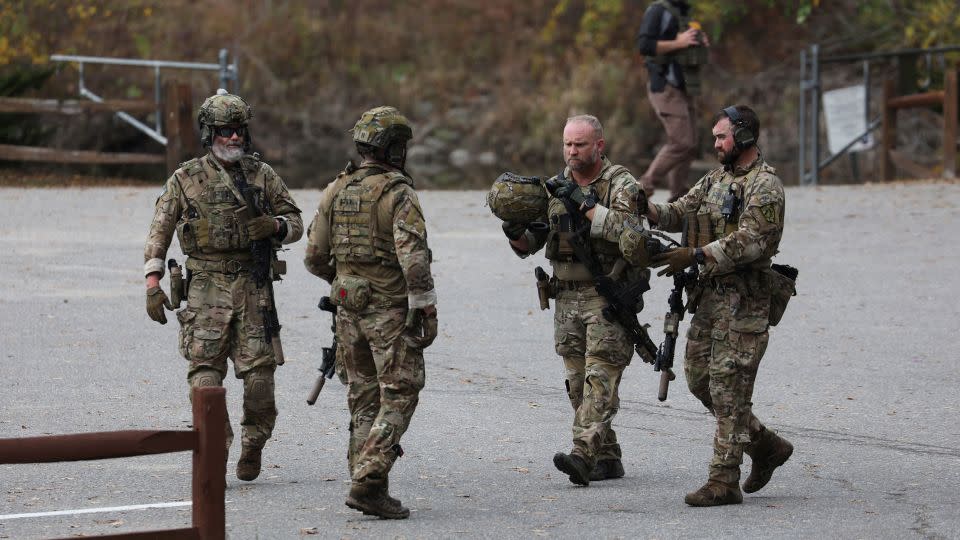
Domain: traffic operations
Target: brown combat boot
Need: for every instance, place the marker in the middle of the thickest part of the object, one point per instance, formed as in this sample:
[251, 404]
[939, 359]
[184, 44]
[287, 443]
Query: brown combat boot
[715, 493]
[248, 466]
[573, 466]
[371, 498]
[607, 469]
[769, 452]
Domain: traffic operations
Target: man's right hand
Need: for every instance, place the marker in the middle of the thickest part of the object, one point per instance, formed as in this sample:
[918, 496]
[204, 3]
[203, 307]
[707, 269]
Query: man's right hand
[156, 301]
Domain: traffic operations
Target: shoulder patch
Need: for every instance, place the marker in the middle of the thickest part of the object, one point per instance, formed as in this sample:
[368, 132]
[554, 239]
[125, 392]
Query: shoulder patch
[770, 213]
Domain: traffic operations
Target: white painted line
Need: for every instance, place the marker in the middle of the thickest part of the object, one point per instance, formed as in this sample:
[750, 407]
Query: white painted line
[96, 510]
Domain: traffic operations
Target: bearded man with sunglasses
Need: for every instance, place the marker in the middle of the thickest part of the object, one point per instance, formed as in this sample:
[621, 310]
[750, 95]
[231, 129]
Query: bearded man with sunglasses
[207, 202]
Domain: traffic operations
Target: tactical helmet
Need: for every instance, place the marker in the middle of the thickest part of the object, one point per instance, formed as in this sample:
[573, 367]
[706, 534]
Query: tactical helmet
[223, 109]
[381, 127]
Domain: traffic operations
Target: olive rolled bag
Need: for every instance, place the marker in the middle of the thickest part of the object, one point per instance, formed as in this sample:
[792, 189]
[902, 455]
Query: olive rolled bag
[783, 285]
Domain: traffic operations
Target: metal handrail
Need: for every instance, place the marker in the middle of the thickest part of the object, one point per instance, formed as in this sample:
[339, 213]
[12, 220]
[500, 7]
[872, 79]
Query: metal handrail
[810, 93]
[228, 72]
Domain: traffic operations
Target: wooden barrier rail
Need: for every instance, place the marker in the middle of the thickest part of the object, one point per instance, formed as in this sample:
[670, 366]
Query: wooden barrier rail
[948, 98]
[209, 460]
[181, 133]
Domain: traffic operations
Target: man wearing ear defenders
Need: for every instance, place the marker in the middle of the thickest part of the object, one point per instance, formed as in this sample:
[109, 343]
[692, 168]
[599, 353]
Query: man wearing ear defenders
[674, 48]
[734, 221]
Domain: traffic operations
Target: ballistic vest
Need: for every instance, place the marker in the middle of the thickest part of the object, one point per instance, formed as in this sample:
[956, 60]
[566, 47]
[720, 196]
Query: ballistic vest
[709, 223]
[558, 248]
[355, 232]
[213, 225]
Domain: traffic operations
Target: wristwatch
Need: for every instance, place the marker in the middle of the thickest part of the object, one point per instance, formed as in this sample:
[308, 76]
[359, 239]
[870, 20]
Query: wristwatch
[588, 203]
[699, 256]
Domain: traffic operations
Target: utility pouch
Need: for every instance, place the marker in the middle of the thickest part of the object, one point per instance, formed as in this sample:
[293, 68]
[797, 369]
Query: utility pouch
[177, 289]
[279, 268]
[543, 288]
[703, 233]
[694, 294]
[351, 292]
[783, 285]
[187, 236]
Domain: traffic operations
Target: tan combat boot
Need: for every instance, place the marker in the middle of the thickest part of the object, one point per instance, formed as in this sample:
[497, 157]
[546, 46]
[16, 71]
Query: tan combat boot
[769, 452]
[248, 466]
[370, 497]
[715, 493]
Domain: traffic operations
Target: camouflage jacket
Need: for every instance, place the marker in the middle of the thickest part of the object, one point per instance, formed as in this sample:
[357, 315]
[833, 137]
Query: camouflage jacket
[202, 190]
[751, 238]
[617, 192]
[394, 257]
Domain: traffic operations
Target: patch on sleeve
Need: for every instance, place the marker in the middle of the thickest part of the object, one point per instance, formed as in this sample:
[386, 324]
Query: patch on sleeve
[771, 213]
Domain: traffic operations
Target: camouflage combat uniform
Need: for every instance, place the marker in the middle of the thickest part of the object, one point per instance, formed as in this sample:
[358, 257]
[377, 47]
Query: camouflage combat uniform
[200, 202]
[369, 240]
[595, 351]
[728, 334]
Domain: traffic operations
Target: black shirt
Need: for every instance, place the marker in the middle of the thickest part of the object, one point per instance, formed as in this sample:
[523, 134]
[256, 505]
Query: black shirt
[660, 25]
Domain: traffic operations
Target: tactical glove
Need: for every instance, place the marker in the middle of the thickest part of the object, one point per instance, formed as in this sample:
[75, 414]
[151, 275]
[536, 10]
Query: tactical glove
[261, 227]
[642, 205]
[676, 260]
[156, 301]
[423, 330]
[576, 195]
[514, 231]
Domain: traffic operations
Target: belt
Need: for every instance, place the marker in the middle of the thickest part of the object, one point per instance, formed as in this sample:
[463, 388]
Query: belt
[573, 285]
[226, 266]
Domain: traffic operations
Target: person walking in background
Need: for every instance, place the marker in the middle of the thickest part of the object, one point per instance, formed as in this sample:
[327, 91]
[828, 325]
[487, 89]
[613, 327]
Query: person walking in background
[675, 48]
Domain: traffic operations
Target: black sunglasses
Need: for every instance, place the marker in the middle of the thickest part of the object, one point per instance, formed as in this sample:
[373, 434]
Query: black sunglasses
[228, 131]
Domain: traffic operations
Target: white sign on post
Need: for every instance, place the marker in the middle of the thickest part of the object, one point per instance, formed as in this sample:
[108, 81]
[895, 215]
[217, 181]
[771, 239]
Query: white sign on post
[843, 110]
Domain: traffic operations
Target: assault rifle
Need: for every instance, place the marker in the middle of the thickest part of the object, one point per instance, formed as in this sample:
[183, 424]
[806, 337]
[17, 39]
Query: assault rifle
[266, 269]
[622, 298]
[329, 358]
[671, 322]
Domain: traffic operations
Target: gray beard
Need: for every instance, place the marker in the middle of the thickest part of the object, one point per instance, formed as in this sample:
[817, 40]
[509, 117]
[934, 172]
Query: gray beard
[227, 154]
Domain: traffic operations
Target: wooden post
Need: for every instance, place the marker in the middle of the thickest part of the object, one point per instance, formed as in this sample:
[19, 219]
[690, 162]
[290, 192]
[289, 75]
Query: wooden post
[950, 106]
[209, 462]
[182, 139]
[888, 132]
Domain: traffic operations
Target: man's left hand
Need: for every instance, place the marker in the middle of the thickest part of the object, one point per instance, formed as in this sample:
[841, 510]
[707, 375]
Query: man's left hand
[676, 260]
[261, 227]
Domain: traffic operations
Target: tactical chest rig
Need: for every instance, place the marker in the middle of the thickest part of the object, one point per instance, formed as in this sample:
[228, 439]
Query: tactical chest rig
[356, 236]
[719, 212]
[559, 247]
[689, 59]
[214, 221]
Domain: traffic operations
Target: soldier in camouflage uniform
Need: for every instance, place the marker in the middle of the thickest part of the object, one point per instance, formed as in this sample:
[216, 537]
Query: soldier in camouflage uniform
[369, 240]
[734, 218]
[595, 351]
[202, 202]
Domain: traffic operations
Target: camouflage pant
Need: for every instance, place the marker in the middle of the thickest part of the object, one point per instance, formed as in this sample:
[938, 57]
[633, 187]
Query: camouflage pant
[222, 320]
[595, 352]
[726, 340]
[384, 378]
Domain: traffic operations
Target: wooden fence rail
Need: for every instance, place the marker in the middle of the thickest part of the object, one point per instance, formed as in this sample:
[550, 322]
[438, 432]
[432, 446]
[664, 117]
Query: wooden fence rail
[209, 460]
[948, 98]
[178, 120]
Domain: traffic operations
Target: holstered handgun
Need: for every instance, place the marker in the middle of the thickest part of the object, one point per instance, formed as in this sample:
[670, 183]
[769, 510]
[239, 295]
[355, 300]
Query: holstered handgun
[543, 287]
[177, 290]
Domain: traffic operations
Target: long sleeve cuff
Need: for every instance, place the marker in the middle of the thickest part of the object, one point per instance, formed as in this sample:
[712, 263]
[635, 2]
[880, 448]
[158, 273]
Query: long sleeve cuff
[599, 217]
[422, 300]
[724, 263]
[153, 265]
[287, 238]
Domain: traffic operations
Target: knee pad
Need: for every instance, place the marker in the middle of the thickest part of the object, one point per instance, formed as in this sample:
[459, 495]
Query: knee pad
[205, 377]
[258, 385]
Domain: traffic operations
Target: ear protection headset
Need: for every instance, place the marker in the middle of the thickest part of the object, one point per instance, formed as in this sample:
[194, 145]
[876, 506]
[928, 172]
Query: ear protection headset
[742, 136]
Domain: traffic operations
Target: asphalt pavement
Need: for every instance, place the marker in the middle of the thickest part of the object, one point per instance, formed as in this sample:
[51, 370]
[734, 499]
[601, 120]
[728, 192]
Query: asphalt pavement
[861, 375]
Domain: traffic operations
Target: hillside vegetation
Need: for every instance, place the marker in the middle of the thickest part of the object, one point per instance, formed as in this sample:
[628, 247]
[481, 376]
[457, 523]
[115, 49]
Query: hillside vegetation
[486, 84]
